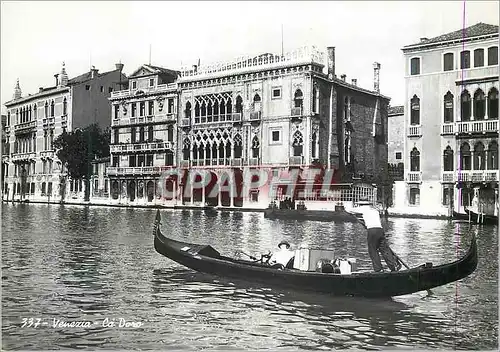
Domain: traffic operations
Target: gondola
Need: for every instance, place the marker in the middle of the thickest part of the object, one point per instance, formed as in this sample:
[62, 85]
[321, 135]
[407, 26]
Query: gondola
[204, 258]
[474, 218]
[312, 215]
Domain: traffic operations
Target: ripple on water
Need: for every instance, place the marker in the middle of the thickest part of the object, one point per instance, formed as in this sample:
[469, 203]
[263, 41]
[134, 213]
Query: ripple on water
[77, 263]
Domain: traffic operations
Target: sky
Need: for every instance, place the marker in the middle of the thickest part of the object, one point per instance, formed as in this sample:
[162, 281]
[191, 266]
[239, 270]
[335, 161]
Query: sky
[36, 37]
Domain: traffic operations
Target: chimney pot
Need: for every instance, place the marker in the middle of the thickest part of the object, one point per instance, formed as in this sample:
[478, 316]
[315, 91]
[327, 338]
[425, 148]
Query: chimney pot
[331, 62]
[376, 77]
[40, 89]
[354, 81]
[57, 81]
[423, 39]
[343, 77]
[93, 72]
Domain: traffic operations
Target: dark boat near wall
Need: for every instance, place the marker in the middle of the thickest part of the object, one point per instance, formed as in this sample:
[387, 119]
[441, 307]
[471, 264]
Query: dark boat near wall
[476, 218]
[313, 215]
[204, 258]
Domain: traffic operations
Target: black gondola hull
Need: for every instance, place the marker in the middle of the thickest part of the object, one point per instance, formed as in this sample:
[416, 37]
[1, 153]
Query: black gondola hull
[367, 284]
[312, 215]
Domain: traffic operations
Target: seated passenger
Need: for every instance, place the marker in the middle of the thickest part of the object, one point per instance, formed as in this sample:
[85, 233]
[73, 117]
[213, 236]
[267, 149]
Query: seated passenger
[282, 256]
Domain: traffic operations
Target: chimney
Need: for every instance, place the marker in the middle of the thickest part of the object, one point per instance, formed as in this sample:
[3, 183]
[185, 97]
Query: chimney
[63, 76]
[343, 77]
[40, 89]
[354, 82]
[331, 62]
[17, 91]
[119, 66]
[57, 81]
[376, 77]
[423, 39]
[93, 72]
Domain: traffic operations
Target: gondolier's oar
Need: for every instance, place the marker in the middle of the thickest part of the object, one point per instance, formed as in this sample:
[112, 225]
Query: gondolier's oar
[429, 292]
[248, 255]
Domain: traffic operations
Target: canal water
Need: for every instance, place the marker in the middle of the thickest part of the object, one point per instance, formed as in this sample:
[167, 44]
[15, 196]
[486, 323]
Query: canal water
[63, 264]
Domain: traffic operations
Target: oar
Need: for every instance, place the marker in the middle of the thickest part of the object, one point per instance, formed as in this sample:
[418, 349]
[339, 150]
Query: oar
[248, 255]
[429, 292]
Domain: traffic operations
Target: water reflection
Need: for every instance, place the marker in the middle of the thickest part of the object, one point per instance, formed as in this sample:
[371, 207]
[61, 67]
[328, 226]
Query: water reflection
[81, 263]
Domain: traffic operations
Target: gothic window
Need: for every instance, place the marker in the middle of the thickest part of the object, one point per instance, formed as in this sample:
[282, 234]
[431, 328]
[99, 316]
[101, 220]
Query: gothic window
[256, 98]
[29, 114]
[298, 98]
[239, 104]
[133, 134]
[465, 59]
[313, 149]
[216, 111]
[448, 159]
[414, 160]
[448, 62]
[493, 55]
[492, 162]
[297, 144]
[142, 108]
[479, 105]
[255, 147]
[448, 107]
[315, 102]
[170, 133]
[203, 109]
[465, 111]
[187, 112]
[134, 109]
[151, 107]
[141, 134]
[228, 150]
[229, 106]
[479, 58]
[196, 109]
[493, 104]
[479, 157]
[346, 109]
[52, 108]
[186, 149]
[150, 133]
[35, 113]
[415, 111]
[238, 146]
[465, 157]
[46, 110]
[347, 150]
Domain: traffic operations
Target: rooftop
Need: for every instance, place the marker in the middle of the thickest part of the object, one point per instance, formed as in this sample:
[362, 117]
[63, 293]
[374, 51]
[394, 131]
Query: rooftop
[477, 30]
[396, 110]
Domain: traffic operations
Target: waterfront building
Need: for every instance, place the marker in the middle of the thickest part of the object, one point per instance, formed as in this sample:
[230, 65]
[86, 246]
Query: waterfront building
[278, 112]
[268, 111]
[451, 122]
[143, 130]
[31, 168]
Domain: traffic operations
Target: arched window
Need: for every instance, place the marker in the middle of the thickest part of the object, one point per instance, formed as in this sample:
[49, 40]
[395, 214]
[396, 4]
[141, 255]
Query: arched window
[151, 132]
[239, 104]
[46, 110]
[133, 134]
[448, 107]
[315, 102]
[170, 133]
[216, 111]
[187, 112]
[492, 162]
[141, 134]
[255, 147]
[298, 98]
[35, 113]
[493, 55]
[256, 98]
[314, 141]
[30, 116]
[346, 109]
[256, 102]
[186, 149]
[448, 159]
[65, 106]
[52, 108]
[493, 104]
[197, 109]
[415, 111]
[465, 157]
[465, 59]
[116, 136]
[203, 109]
[238, 146]
[297, 144]
[465, 112]
[209, 109]
[479, 157]
[479, 105]
[479, 57]
[414, 160]
[229, 106]
[222, 107]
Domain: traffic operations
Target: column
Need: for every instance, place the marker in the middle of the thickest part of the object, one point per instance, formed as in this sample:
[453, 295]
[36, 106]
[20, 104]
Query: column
[203, 196]
[219, 193]
[486, 104]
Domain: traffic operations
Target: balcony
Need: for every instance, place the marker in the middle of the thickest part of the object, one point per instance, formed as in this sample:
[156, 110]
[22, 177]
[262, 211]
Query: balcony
[296, 160]
[478, 176]
[23, 156]
[186, 122]
[414, 177]
[448, 128]
[237, 162]
[236, 117]
[415, 131]
[254, 162]
[477, 127]
[170, 87]
[134, 147]
[296, 112]
[136, 170]
[24, 127]
[255, 116]
[47, 154]
[448, 177]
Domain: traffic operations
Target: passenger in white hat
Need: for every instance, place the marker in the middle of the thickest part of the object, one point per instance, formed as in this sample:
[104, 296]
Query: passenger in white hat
[284, 255]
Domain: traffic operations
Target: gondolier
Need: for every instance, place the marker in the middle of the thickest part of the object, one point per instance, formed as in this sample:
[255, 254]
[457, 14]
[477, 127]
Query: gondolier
[376, 237]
